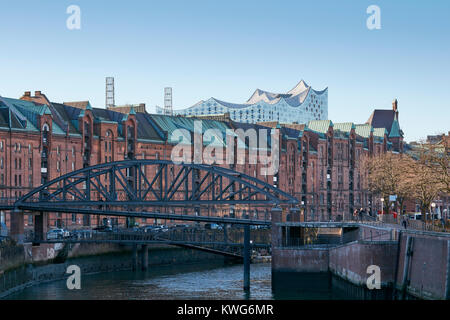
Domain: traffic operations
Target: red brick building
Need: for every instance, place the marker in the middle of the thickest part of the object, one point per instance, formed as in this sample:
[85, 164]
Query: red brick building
[41, 140]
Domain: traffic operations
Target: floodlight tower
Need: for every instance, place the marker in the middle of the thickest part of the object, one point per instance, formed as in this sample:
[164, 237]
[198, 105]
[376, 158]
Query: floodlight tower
[168, 108]
[109, 93]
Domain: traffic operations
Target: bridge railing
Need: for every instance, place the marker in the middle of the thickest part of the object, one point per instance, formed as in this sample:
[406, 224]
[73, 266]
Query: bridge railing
[230, 241]
[315, 239]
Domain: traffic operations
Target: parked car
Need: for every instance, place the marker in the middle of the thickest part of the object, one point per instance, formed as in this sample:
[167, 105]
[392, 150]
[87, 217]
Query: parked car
[163, 228]
[212, 226]
[149, 229]
[56, 234]
[103, 229]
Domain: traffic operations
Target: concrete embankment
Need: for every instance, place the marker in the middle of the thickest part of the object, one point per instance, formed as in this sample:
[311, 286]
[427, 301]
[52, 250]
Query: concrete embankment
[412, 264]
[24, 266]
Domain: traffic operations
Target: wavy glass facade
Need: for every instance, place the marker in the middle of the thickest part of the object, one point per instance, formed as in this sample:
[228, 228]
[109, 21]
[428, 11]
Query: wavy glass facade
[299, 105]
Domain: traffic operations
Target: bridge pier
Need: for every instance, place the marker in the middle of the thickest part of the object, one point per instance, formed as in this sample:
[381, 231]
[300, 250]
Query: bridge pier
[134, 257]
[144, 257]
[17, 226]
[247, 258]
[40, 226]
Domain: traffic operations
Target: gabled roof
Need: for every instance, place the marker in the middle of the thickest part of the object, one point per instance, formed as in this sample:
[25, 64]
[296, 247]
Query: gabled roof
[344, 126]
[169, 124]
[382, 119]
[68, 116]
[379, 132]
[147, 129]
[321, 126]
[23, 114]
[363, 130]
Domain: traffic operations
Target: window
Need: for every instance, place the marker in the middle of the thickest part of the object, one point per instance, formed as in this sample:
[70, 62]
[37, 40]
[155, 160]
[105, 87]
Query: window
[15, 163]
[73, 151]
[1, 163]
[57, 166]
[30, 149]
[1, 145]
[73, 166]
[20, 180]
[30, 181]
[20, 164]
[57, 150]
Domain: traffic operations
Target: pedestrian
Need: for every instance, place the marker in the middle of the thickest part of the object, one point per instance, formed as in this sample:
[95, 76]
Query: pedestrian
[360, 214]
[355, 215]
[404, 222]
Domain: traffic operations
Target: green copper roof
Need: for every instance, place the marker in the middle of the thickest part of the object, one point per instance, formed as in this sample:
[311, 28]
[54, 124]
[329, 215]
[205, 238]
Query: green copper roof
[29, 112]
[171, 123]
[395, 129]
[321, 126]
[26, 111]
[379, 132]
[363, 130]
[344, 126]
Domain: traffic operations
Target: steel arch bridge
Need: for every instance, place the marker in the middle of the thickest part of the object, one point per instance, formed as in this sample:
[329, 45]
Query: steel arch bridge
[117, 187]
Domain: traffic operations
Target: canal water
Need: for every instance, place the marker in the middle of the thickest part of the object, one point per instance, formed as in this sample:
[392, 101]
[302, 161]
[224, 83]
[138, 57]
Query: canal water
[172, 282]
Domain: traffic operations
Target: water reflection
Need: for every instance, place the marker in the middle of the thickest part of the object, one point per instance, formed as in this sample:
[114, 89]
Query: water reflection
[211, 281]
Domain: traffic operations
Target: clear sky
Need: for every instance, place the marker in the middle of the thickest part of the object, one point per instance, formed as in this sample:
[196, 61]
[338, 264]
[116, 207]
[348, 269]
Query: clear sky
[228, 48]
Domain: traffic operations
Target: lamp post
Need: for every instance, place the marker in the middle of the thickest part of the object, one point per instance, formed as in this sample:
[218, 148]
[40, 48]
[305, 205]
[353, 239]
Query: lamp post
[382, 208]
[433, 205]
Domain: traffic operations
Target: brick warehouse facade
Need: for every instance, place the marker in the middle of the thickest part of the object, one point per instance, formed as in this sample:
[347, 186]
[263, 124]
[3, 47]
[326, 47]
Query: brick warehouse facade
[319, 161]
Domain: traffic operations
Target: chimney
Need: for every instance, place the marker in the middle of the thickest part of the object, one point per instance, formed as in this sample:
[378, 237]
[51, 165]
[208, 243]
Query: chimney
[37, 93]
[27, 94]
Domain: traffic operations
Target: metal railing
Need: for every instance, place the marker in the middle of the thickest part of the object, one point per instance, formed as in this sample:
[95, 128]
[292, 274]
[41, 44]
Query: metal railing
[230, 242]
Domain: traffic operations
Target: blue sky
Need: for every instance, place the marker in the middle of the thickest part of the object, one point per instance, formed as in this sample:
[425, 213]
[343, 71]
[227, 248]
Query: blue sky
[227, 49]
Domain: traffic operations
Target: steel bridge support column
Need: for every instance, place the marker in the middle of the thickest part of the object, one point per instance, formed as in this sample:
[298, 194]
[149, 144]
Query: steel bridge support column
[144, 257]
[247, 258]
[135, 257]
[276, 216]
[295, 214]
[40, 226]
[17, 226]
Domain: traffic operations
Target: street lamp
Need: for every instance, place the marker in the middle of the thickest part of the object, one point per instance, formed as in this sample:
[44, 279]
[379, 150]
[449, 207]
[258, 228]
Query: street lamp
[433, 205]
[382, 205]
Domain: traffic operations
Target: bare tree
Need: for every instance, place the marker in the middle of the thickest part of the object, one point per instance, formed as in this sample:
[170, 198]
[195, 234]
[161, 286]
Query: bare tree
[431, 174]
[390, 174]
